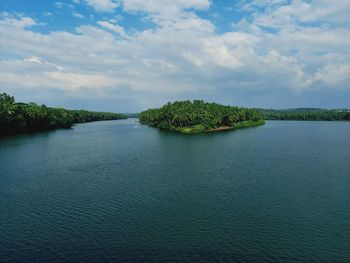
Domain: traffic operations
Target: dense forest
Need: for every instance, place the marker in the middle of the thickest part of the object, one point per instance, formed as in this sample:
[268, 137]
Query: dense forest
[184, 116]
[22, 117]
[308, 114]
[199, 116]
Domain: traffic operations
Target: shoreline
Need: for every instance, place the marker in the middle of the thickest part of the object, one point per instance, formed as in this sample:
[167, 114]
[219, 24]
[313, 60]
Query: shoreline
[222, 128]
[197, 129]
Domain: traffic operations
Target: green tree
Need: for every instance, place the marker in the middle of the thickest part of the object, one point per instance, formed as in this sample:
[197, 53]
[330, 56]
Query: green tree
[23, 117]
[7, 107]
[199, 116]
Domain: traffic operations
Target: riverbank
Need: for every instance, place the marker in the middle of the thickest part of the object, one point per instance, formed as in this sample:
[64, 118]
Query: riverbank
[199, 128]
[17, 117]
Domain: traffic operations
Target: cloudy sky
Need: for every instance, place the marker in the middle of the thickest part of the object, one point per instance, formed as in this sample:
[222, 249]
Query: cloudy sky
[128, 55]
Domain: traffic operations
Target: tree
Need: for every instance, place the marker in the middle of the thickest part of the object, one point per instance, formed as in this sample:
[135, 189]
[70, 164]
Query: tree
[198, 116]
[7, 108]
[23, 117]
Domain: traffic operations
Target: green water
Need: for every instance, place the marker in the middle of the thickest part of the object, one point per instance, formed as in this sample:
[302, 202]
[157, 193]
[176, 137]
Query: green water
[118, 191]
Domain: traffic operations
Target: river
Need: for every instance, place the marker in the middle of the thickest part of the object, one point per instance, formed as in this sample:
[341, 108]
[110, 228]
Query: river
[118, 191]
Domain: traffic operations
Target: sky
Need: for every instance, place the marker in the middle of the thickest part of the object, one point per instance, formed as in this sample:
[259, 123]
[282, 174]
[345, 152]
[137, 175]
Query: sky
[130, 55]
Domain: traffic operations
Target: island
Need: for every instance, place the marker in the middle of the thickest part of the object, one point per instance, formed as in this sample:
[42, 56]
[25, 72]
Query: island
[18, 118]
[198, 116]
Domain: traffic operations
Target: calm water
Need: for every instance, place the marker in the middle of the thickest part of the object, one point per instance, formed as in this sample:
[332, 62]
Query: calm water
[119, 191]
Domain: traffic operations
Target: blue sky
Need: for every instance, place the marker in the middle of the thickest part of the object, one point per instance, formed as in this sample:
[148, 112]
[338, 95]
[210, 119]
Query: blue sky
[128, 55]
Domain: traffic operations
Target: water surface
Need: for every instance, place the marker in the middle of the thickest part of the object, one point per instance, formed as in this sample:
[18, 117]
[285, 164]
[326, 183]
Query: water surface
[119, 191]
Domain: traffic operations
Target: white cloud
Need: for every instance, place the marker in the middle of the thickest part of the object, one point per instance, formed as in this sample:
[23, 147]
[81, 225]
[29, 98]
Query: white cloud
[164, 6]
[17, 22]
[102, 5]
[43, 76]
[34, 60]
[189, 22]
[185, 55]
[41, 61]
[113, 27]
[334, 75]
[59, 5]
[77, 15]
[301, 11]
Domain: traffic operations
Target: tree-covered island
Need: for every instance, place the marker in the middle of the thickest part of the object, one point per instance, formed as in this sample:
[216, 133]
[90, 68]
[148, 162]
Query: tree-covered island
[198, 116]
[29, 117]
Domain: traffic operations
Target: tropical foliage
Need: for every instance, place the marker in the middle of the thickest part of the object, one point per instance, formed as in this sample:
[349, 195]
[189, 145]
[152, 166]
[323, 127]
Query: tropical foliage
[199, 116]
[22, 117]
[306, 114]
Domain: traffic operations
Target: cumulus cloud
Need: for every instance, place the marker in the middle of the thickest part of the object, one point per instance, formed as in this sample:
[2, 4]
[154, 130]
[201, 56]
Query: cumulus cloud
[185, 56]
[164, 6]
[16, 22]
[77, 15]
[102, 5]
[282, 13]
[41, 61]
[59, 5]
[337, 76]
[113, 27]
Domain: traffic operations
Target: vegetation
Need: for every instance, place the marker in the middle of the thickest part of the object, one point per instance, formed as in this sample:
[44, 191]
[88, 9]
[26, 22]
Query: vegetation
[21, 117]
[132, 115]
[183, 116]
[306, 114]
[199, 116]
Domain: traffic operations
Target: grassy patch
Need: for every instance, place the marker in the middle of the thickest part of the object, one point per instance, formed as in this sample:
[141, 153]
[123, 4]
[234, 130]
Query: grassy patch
[246, 124]
[199, 128]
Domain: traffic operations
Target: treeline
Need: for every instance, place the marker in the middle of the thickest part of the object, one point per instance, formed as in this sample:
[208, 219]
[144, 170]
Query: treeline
[199, 116]
[30, 117]
[132, 115]
[307, 114]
